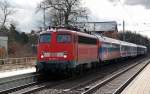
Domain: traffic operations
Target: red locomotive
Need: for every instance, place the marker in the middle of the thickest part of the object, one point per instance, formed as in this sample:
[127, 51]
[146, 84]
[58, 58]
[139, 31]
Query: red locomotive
[63, 49]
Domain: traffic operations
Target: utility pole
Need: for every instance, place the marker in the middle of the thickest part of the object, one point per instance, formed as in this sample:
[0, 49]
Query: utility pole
[94, 27]
[123, 30]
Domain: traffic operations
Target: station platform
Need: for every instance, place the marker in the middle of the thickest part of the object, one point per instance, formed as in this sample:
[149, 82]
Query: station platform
[141, 84]
[14, 72]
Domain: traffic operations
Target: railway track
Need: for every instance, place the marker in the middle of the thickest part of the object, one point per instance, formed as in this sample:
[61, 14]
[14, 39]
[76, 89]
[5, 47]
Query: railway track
[116, 83]
[98, 83]
[86, 83]
[35, 88]
[14, 83]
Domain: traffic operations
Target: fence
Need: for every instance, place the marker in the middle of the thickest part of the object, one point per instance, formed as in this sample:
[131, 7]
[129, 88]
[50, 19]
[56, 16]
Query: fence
[24, 60]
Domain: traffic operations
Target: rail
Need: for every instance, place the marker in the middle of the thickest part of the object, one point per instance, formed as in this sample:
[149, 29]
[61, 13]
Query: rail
[117, 89]
[11, 84]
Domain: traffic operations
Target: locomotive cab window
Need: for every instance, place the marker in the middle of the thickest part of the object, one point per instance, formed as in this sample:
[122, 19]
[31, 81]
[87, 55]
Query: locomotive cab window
[45, 38]
[63, 38]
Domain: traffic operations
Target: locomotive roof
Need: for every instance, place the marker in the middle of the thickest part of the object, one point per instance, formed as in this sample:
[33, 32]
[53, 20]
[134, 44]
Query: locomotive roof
[69, 31]
[55, 30]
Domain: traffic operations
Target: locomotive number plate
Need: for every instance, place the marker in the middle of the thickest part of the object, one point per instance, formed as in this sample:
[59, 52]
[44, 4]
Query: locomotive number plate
[59, 54]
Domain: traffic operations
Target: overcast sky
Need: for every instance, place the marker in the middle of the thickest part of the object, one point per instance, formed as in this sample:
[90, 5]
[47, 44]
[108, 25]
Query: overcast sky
[134, 12]
[25, 15]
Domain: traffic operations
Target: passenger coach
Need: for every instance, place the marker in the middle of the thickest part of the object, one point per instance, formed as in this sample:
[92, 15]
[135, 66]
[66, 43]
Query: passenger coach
[141, 49]
[109, 48]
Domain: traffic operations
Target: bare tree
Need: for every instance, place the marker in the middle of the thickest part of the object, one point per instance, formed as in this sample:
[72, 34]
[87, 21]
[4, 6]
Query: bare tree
[5, 11]
[64, 12]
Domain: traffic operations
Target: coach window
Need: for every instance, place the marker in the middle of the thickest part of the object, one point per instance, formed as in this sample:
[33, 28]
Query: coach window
[116, 47]
[45, 38]
[63, 38]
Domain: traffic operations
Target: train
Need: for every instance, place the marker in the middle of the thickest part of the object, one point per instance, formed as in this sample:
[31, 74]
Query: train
[62, 49]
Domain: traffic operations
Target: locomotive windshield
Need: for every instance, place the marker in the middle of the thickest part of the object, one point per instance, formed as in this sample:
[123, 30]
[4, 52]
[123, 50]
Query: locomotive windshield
[63, 38]
[45, 38]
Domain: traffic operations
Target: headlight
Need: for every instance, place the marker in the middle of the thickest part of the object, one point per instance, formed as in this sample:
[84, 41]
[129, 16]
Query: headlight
[42, 56]
[65, 56]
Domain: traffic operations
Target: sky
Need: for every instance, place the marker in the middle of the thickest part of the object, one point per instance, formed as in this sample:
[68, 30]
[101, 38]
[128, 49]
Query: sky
[135, 13]
[25, 15]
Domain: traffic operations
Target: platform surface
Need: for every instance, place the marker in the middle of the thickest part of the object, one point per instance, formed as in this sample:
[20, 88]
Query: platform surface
[16, 72]
[141, 84]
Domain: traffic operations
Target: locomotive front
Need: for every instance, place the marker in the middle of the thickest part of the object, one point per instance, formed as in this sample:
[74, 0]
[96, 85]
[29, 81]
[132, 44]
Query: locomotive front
[56, 51]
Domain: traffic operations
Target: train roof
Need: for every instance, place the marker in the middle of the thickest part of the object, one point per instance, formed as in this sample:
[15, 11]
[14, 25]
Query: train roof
[100, 37]
[128, 44]
[115, 41]
[68, 31]
[55, 30]
[107, 39]
[141, 46]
